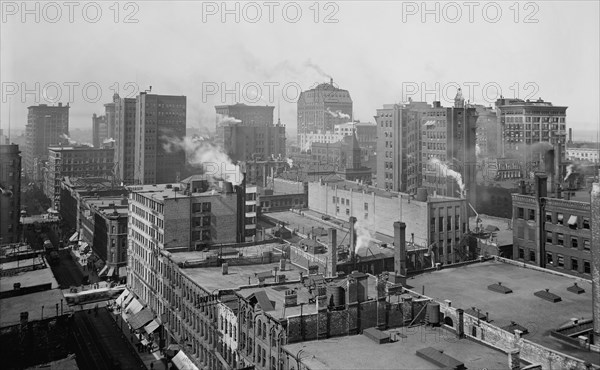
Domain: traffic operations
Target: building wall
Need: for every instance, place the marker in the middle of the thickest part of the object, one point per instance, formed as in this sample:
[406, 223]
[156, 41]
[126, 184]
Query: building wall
[583, 154]
[159, 118]
[245, 143]
[45, 125]
[75, 162]
[125, 111]
[10, 197]
[565, 248]
[313, 106]
[249, 115]
[99, 130]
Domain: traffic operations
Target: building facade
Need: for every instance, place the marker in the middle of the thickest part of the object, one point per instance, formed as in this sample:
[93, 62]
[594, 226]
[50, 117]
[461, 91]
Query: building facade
[552, 233]
[125, 143]
[248, 143]
[99, 130]
[248, 115]
[322, 107]
[158, 120]
[583, 154]
[75, 161]
[10, 189]
[46, 126]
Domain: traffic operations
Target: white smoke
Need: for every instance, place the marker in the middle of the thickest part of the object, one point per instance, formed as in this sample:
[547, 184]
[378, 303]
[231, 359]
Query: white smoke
[444, 170]
[109, 140]
[223, 119]
[569, 171]
[210, 158]
[290, 162]
[71, 141]
[477, 149]
[363, 236]
[316, 68]
[306, 146]
[338, 114]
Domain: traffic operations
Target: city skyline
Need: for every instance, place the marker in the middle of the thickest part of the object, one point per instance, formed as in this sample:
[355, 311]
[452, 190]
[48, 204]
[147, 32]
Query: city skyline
[301, 55]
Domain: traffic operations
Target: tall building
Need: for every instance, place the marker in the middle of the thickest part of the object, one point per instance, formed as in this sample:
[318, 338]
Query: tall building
[110, 114]
[46, 126]
[125, 143]
[10, 189]
[322, 108]
[245, 143]
[75, 161]
[158, 119]
[249, 115]
[99, 130]
[399, 146]
[523, 124]
[449, 134]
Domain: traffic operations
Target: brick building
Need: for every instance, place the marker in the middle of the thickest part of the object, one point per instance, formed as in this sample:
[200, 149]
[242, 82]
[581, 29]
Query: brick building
[124, 131]
[99, 130]
[75, 161]
[552, 233]
[247, 143]
[10, 193]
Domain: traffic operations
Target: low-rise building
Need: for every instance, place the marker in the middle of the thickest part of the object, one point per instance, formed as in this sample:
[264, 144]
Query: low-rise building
[10, 193]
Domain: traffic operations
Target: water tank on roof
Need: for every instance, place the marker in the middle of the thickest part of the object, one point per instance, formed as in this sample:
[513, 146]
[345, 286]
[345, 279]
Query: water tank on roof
[335, 295]
[422, 194]
[433, 313]
[227, 187]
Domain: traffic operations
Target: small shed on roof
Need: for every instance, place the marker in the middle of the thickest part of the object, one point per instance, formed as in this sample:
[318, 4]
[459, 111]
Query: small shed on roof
[262, 300]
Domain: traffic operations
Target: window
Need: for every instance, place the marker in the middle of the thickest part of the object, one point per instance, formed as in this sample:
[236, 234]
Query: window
[574, 242]
[366, 206]
[520, 213]
[559, 218]
[549, 258]
[532, 233]
[549, 237]
[449, 223]
[586, 223]
[560, 239]
[548, 216]
[531, 213]
[532, 256]
[521, 253]
[347, 211]
[441, 223]
[587, 268]
[574, 264]
[520, 232]
[560, 260]
[586, 244]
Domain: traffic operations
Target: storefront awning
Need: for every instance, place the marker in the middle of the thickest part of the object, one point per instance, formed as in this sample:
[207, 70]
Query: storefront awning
[122, 297]
[182, 362]
[123, 271]
[74, 237]
[111, 271]
[140, 319]
[151, 327]
[573, 220]
[128, 300]
[134, 307]
[103, 271]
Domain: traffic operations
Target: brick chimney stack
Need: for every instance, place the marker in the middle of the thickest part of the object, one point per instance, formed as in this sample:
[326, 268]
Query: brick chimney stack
[332, 255]
[400, 248]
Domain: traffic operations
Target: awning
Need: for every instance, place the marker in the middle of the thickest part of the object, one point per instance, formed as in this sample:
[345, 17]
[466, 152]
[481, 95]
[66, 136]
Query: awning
[182, 362]
[151, 327]
[144, 342]
[128, 300]
[573, 220]
[140, 319]
[134, 307]
[103, 271]
[122, 297]
[123, 271]
[74, 236]
[111, 271]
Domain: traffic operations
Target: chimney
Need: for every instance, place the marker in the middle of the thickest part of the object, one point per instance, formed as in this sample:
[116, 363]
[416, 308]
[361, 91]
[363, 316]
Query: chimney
[522, 187]
[352, 221]
[400, 248]
[332, 258]
[595, 222]
[541, 185]
[570, 135]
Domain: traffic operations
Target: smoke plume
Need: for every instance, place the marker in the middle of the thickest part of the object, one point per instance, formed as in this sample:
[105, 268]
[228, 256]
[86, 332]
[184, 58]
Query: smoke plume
[71, 141]
[109, 140]
[316, 68]
[223, 119]
[477, 149]
[290, 162]
[570, 169]
[210, 158]
[338, 114]
[363, 236]
[444, 170]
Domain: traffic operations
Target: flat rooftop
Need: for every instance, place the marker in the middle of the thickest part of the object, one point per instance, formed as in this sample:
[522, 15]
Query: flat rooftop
[466, 287]
[28, 278]
[504, 235]
[350, 352]
[11, 308]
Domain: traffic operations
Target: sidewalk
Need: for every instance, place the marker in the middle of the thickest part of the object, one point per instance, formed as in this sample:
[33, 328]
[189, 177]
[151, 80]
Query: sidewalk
[151, 360]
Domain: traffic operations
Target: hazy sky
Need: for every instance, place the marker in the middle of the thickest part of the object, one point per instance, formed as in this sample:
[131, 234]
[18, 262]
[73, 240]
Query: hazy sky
[381, 51]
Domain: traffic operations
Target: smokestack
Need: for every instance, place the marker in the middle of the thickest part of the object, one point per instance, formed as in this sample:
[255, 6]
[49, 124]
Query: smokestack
[352, 236]
[522, 187]
[400, 248]
[332, 258]
[241, 209]
[595, 222]
[541, 185]
[570, 135]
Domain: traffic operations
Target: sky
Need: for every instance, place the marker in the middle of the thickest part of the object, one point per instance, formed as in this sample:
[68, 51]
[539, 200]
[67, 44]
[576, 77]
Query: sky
[382, 52]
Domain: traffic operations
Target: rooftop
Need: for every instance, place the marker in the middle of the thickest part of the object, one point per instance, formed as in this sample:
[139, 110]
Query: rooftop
[502, 236]
[33, 303]
[31, 278]
[466, 287]
[349, 352]
[109, 205]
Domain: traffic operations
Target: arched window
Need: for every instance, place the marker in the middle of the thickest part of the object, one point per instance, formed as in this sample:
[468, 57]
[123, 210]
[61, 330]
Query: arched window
[259, 329]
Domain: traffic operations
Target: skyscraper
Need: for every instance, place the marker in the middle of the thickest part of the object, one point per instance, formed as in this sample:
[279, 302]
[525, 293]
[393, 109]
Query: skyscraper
[124, 131]
[99, 130]
[46, 126]
[158, 120]
[322, 108]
